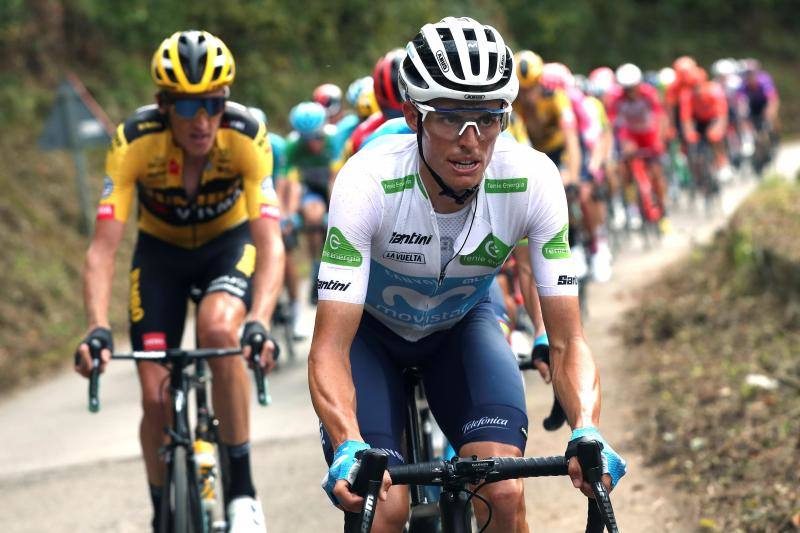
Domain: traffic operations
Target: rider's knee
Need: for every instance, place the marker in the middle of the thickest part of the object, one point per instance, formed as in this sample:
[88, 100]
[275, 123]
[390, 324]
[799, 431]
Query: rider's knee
[220, 333]
[392, 515]
[154, 406]
[505, 497]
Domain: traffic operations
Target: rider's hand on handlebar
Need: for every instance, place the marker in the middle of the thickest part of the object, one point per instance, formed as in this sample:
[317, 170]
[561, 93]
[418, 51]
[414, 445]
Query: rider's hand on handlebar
[576, 476]
[613, 465]
[350, 501]
[252, 330]
[83, 358]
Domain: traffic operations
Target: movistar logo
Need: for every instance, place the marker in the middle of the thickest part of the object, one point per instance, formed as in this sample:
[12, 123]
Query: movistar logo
[339, 251]
[558, 246]
[492, 252]
[414, 238]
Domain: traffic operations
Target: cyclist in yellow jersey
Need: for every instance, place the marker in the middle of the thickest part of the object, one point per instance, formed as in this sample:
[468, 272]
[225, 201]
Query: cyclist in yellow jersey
[547, 117]
[208, 218]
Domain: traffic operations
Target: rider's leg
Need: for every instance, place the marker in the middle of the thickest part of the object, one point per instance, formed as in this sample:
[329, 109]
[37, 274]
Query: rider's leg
[313, 216]
[218, 321]
[482, 416]
[156, 415]
[659, 182]
[507, 498]
[290, 275]
[158, 294]
[313, 213]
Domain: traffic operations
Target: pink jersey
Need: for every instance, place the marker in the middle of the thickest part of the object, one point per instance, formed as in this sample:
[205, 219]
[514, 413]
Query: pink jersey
[639, 114]
[581, 116]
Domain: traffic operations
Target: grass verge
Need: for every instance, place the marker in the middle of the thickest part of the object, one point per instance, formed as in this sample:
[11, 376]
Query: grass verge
[716, 345]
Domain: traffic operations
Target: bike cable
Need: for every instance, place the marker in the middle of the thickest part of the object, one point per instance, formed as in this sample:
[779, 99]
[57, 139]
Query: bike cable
[474, 494]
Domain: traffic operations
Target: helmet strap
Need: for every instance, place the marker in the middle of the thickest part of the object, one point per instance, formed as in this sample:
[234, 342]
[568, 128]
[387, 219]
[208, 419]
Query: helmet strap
[460, 199]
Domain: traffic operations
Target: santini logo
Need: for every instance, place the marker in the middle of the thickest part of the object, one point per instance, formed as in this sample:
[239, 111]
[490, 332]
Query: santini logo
[404, 257]
[332, 285]
[414, 238]
[483, 422]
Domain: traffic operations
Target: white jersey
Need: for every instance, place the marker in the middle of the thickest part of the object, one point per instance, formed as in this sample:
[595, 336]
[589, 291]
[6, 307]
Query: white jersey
[382, 248]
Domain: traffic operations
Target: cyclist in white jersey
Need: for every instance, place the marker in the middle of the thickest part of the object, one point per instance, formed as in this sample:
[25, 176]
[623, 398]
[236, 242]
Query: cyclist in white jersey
[418, 227]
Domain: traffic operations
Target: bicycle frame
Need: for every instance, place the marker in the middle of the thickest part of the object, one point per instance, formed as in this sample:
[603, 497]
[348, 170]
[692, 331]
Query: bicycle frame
[642, 178]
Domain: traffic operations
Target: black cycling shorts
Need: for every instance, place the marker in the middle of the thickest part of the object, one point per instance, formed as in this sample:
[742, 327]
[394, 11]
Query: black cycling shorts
[163, 277]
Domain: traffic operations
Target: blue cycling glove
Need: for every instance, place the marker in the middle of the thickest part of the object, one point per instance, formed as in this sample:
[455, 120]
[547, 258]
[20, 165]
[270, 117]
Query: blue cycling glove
[613, 464]
[541, 340]
[344, 466]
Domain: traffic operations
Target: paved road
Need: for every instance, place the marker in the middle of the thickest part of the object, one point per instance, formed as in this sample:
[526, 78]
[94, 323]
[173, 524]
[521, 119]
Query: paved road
[65, 470]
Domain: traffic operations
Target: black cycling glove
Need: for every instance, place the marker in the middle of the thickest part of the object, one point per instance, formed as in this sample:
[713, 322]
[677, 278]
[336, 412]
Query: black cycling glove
[99, 337]
[255, 335]
[541, 352]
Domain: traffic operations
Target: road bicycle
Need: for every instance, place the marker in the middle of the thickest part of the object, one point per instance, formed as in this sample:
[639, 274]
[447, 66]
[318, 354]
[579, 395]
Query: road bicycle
[455, 476]
[702, 160]
[424, 442]
[191, 502]
[647, 201]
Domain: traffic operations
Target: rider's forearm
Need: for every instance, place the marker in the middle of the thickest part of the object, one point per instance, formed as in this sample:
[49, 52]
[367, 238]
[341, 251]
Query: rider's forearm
[98, 273]
[527, 286]
[294, 192]
[576, 381]
[333, 394]
[269, 269]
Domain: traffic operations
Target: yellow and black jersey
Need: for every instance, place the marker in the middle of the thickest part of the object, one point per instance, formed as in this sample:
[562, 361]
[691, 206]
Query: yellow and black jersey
[236, 184]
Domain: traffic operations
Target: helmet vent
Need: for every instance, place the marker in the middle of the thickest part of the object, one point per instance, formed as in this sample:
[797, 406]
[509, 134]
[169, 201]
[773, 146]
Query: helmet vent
[217, 72]
[171, 75]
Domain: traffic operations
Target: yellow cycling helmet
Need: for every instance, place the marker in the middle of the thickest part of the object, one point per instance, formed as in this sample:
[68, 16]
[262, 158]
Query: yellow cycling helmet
[366, 104]
[529, 68]
[192, 62]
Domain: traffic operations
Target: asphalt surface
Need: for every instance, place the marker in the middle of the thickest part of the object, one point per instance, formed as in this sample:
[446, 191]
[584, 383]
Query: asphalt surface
[66, 470]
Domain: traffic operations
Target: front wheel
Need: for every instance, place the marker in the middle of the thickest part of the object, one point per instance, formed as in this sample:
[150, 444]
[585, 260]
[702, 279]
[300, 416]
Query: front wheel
[180, 504]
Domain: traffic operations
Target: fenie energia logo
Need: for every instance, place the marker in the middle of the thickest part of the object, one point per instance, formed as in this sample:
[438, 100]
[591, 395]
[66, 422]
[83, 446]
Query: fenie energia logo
[339, 251]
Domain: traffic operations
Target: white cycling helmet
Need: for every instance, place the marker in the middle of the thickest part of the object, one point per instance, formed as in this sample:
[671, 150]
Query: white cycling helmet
[458, 59]
[666, 76]
[723, 68]
[629, 75]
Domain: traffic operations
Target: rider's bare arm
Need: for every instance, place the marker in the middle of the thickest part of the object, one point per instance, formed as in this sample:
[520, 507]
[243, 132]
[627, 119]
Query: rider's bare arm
[527, 285]
[329, 379]
[575, 377]
[268, 274]
[98, 273]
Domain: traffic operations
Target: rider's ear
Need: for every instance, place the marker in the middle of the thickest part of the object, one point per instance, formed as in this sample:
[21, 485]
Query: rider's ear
[161, 100]
[410, 113]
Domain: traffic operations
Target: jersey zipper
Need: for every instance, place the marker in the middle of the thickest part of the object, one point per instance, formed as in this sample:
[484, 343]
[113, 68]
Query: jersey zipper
[443, 271]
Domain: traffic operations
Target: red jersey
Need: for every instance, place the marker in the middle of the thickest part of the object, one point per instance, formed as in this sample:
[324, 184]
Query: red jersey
[703, 103]
[639, 114]
[365, 129]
